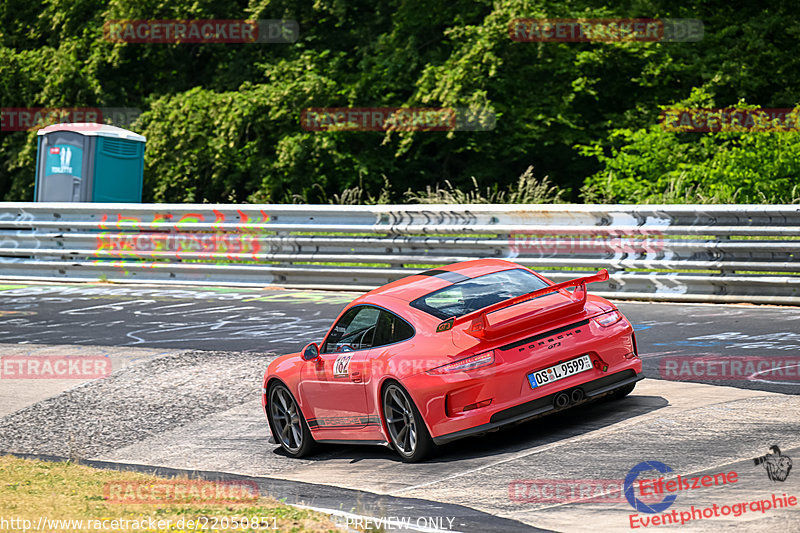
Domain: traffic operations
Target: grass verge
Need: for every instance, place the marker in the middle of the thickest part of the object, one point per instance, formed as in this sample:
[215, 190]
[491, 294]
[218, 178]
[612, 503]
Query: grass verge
[46, 496]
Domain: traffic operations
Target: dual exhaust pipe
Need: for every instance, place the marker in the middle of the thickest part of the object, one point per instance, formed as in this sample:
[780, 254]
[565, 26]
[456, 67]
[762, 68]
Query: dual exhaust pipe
[565, 398]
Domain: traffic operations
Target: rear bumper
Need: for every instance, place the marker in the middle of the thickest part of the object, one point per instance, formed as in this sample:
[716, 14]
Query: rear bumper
[544, 405]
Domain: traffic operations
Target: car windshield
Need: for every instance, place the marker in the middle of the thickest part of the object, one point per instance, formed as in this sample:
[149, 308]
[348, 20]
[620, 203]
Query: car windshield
[473, 294]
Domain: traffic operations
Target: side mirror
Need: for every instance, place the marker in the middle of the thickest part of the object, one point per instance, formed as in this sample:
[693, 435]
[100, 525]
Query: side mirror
[311, 352]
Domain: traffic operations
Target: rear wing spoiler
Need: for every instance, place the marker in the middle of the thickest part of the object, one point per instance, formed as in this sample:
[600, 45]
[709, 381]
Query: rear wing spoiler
[481, 328]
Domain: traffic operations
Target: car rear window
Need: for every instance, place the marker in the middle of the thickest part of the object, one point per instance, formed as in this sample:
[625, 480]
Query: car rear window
[473, 294]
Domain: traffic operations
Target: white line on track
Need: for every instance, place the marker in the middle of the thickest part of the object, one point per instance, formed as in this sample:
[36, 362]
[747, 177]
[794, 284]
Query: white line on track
[526, 453]
[753, 377]
[519, 455]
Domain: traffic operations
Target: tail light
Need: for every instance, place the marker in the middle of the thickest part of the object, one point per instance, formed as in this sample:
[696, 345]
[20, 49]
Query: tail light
[463, 365]
[608, 319]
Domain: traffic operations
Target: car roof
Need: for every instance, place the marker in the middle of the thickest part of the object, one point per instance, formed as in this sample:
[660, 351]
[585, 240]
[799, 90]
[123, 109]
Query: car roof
[412, 287]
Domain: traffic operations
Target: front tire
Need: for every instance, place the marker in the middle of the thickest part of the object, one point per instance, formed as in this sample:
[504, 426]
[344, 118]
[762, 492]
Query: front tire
[407, 431]
[287, 422]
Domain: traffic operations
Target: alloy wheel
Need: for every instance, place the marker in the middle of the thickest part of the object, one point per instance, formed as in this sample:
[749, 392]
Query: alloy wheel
[286, 418]
[400, 420]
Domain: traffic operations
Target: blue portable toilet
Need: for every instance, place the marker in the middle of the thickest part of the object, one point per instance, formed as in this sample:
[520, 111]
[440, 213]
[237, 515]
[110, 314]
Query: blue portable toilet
[86, 162]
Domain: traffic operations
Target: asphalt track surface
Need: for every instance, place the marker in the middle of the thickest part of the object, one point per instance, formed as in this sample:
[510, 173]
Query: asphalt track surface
[277, 321]
[184, 396]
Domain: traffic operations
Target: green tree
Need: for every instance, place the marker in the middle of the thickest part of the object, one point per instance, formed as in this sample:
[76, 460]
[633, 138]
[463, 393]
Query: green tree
[223, 120]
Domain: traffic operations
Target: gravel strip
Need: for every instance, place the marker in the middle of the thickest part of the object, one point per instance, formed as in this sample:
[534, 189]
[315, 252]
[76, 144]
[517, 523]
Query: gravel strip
[135, 403]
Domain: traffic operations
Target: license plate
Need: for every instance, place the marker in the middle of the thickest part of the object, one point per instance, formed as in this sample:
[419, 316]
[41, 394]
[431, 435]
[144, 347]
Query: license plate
[560, 371]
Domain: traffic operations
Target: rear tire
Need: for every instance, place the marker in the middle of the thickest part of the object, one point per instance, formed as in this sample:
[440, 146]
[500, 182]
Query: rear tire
[622, 392]
[287, 422]
[407, 431]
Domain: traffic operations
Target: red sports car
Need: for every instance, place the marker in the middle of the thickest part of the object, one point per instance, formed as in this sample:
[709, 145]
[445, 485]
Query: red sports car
[457, 351]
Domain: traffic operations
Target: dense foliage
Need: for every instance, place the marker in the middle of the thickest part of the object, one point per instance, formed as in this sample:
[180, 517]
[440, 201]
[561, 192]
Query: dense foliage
[223, 120]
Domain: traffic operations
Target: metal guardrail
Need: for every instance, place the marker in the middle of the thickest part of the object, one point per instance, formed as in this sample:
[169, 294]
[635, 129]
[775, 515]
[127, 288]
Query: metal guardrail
[719, 253]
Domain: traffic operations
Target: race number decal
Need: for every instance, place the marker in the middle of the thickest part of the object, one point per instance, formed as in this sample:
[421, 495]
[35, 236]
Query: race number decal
[341, 367]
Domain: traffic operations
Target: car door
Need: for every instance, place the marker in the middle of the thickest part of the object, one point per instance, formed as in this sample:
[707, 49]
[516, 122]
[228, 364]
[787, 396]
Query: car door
[332, 386]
